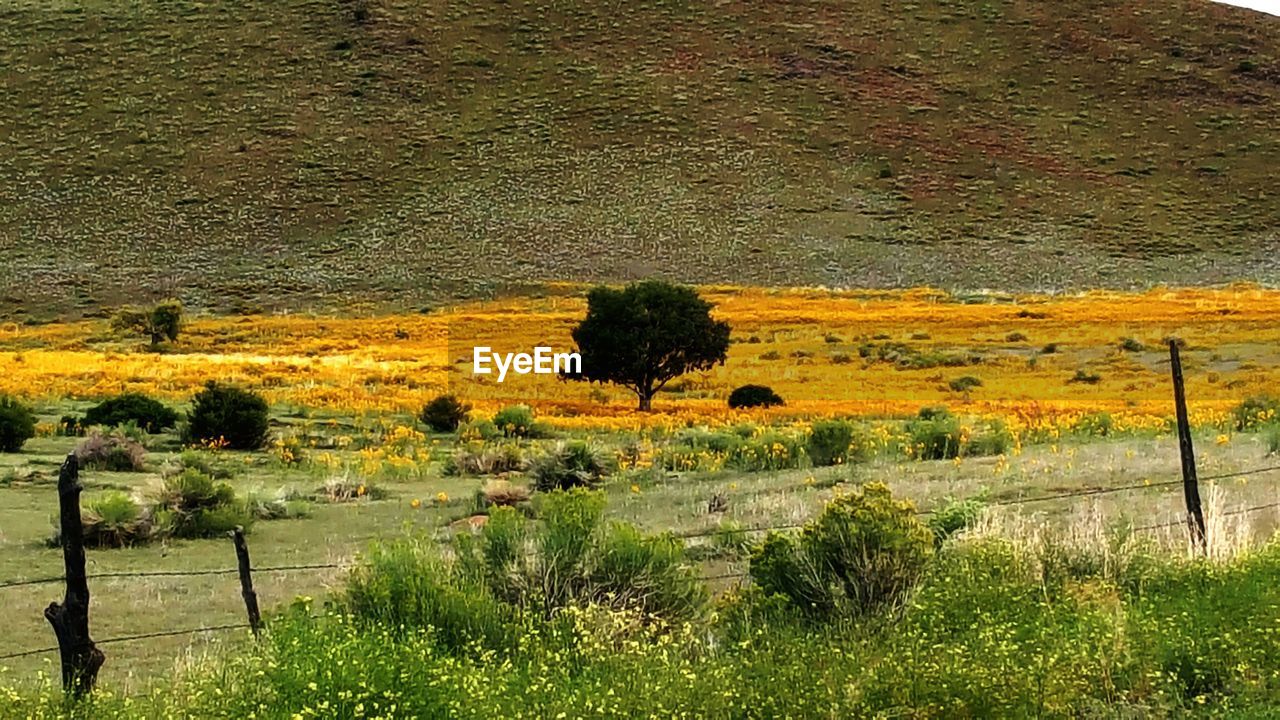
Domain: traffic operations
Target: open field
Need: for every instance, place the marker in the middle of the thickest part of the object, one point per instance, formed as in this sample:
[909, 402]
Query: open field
[827, 353]
[314, 154]
[343, 390]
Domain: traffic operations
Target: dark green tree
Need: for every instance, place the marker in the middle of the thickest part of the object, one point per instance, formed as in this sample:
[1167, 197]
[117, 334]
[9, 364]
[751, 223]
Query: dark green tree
[645, 335]
[161, 322]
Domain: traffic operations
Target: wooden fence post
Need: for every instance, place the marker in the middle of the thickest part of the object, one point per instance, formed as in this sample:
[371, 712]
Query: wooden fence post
[246, 581]
[81, 659]
[1190, 485]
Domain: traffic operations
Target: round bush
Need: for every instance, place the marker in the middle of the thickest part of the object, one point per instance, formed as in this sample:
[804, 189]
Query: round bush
[748, 396]
[444, 414]
[221, 413]
[17, 424]
[150, 415]
[865, 551]
[515, 421]
[829, 442]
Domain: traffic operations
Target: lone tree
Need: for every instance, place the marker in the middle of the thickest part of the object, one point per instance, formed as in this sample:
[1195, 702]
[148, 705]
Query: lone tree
[645, 335]
[160, 322]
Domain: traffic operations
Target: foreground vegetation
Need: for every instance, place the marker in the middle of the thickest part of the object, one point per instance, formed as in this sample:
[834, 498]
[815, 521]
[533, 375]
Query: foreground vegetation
[988, 626]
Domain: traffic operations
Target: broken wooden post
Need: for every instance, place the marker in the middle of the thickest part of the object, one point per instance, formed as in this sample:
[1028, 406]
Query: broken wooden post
[246, 581]
[81, 659]
[1190, 484]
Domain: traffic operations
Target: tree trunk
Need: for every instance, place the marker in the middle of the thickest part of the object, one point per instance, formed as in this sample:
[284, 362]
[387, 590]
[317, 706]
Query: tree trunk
[646, 401]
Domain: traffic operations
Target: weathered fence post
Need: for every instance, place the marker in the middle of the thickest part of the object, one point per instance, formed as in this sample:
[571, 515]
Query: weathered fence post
[246, 581]
[81, 659]
[1190, 485]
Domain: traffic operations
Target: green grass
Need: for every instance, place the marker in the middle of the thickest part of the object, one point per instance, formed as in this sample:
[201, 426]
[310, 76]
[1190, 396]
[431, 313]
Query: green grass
[659, 501]
[305, 154]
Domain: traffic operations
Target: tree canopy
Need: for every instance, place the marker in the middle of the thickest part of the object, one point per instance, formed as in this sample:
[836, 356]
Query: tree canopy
[646, 334]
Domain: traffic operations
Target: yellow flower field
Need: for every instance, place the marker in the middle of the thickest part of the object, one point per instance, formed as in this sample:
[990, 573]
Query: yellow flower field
[808, 344]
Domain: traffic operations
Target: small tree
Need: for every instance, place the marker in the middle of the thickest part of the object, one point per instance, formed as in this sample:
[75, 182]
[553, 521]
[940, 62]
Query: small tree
[17, 424]
[647, 334]
[161, 322]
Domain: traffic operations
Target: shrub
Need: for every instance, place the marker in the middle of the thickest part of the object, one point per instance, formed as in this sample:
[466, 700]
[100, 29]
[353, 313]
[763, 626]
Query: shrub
[748, 396]
[964, 384]
[70, 426]
[1131, 345]
[407, 586]
[112, 451]
[829, 442]
[1085, 377]
[937, 438]
[1256, 412]
[768, 451]
[17, 424]
[224, 413]
[1099, 424]
[444, 413]
[192, 505]
[114, 521]
[515, 421]
[953, 516]
[569, 465]
[933, 412]
[1273, 439]
[643, 572]
[477, 458]
[150, 415]
[865, 551]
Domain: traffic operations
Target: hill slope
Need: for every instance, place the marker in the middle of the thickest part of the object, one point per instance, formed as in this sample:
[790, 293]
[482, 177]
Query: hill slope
[280, 153]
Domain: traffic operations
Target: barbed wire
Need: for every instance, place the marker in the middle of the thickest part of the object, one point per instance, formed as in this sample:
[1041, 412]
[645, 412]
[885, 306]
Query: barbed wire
[140, 636]
[174, 573]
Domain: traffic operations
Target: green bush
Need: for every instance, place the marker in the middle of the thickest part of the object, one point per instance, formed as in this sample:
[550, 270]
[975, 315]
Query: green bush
[770, 450]
[444, 413]
[407, 587]
[944, 437]
[148, 414]
[749, 396]
[953, 516]
[192, 505]
[964, 384]
[829, 442]
[569, 465]
[114, 521]
[1256, 412]
[111, 451]
[1098, 424]
[17, 424]
[222, 413]
[865, 551]
[515, 421]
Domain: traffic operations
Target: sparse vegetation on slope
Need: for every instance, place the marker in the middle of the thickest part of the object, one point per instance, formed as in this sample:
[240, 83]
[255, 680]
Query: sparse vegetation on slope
[296, 152]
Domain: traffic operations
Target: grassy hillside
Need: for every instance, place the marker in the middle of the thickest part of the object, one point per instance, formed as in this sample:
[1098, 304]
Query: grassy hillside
[281, 153]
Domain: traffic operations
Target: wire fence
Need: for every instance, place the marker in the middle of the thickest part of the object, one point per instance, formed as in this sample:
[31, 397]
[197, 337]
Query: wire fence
[729, 575]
